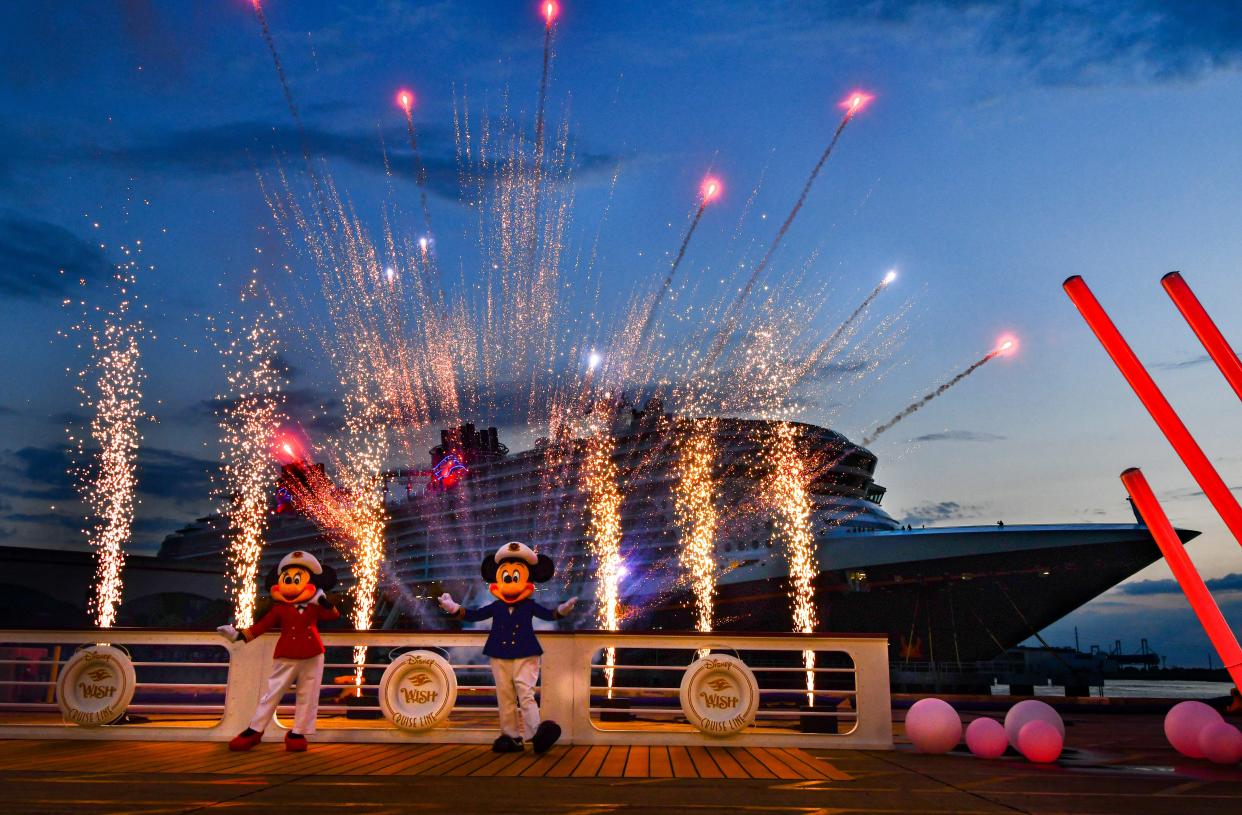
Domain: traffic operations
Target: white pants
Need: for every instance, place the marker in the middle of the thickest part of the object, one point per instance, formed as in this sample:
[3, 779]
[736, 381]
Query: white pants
[308, 674]
[515, 693]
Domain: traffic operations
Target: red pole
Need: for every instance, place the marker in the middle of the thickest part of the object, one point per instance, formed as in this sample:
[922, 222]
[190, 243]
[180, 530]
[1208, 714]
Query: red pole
[1213, 622]
[1207, 332]
[1144, 386]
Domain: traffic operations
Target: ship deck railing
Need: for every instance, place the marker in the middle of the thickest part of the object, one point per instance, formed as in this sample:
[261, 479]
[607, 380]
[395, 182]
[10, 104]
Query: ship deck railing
[196, 686]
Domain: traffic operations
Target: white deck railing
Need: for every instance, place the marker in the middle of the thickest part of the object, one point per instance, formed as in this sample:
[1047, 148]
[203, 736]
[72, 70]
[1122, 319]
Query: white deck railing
[195, 686]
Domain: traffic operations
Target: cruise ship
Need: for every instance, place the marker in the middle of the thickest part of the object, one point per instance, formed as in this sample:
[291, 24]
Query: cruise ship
[944, 594]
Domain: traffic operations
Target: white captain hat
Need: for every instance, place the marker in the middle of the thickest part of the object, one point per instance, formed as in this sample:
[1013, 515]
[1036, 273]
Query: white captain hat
[516, 550]
[304, 559]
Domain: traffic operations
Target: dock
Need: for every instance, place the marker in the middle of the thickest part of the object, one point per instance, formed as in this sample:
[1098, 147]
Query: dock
[1114, 763]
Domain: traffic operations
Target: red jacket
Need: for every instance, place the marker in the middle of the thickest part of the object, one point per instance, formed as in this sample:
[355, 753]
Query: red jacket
[299, 630]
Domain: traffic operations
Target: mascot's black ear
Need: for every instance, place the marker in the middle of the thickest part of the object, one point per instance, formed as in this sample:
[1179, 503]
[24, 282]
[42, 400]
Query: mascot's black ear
[542, 571]
[272, 577]
[327, 580]
[489, 568]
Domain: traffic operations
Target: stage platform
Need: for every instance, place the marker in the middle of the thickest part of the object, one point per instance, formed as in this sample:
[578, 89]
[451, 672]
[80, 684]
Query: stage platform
[1116, 763]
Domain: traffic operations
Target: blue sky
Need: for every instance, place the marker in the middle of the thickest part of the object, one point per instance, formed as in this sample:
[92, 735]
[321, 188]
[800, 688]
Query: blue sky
[1009, 146]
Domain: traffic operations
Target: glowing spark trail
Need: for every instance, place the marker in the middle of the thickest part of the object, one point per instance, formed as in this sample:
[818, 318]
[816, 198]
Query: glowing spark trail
[1006, 346]
[855, 103]
[251, 415]
[695, 513]
[405, 100]
[826, 347]
[793, 526]
[112, 390]
[708, 192]
[280, 69]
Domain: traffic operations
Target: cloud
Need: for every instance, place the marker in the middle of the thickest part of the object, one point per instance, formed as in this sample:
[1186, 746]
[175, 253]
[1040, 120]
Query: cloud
[5, 410]
[249, 145]
[958, 435]
[1230, 582]
[43, 261]
[931, 512]
[1056, 42]
[42, 473]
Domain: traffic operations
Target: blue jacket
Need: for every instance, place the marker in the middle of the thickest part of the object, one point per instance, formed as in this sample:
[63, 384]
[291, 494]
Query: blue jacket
[513, 629]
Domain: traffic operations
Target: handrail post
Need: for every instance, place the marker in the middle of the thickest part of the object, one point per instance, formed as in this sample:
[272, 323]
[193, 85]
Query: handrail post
[557, 697]
[247, 662]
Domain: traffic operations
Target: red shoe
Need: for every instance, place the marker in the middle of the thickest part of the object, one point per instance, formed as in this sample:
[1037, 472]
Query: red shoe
[295, 742]
[245, 740]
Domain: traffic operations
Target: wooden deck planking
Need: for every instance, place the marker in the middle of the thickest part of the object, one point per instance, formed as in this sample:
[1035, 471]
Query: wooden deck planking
[659, 763]
[775, 764]
[567, 763]
[591, 762]
[683, 767]
[336, 759]
[703, 764]
[614, 763]
[638, 763]
[728, 765]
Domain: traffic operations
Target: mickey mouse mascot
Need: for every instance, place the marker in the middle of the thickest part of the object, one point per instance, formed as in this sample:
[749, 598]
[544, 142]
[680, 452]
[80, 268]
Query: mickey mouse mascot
[514, 652]
[298, 585]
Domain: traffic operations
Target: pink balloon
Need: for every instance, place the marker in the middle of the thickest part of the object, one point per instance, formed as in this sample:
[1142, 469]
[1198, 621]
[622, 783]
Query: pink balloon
[1183, 724]
[1221, 742]
[1040, 742]
[986, 738]
[1030, 710]
[933, 726]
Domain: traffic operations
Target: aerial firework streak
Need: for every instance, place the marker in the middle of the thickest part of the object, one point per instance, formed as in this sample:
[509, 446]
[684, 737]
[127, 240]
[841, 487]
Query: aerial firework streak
[406, 100]
[733, 313]
[826, 347]
[250, 418]
[113, 394]
[280, 71]
[875, 434]
[711, 189]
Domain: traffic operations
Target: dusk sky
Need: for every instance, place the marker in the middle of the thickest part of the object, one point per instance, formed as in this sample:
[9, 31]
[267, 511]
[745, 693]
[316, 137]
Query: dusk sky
[1009, 146]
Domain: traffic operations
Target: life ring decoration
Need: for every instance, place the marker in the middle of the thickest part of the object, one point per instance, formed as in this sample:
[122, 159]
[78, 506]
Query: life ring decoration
[719, 695]
[418, 690]
[95, 686]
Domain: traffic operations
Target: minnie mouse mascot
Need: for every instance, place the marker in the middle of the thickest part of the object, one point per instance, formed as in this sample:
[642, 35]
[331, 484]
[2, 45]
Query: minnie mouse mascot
[297, 585]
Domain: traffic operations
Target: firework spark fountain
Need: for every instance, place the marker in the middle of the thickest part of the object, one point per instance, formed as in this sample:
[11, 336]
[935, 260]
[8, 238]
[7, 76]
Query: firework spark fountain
[111, 389]
[788, 490]
[250, 416]
[604, 531]
[1007, 345]
[695, 514]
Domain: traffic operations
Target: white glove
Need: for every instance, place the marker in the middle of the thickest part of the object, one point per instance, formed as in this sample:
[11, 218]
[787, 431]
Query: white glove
[446, 603]
[566, 607]
[229, 632]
